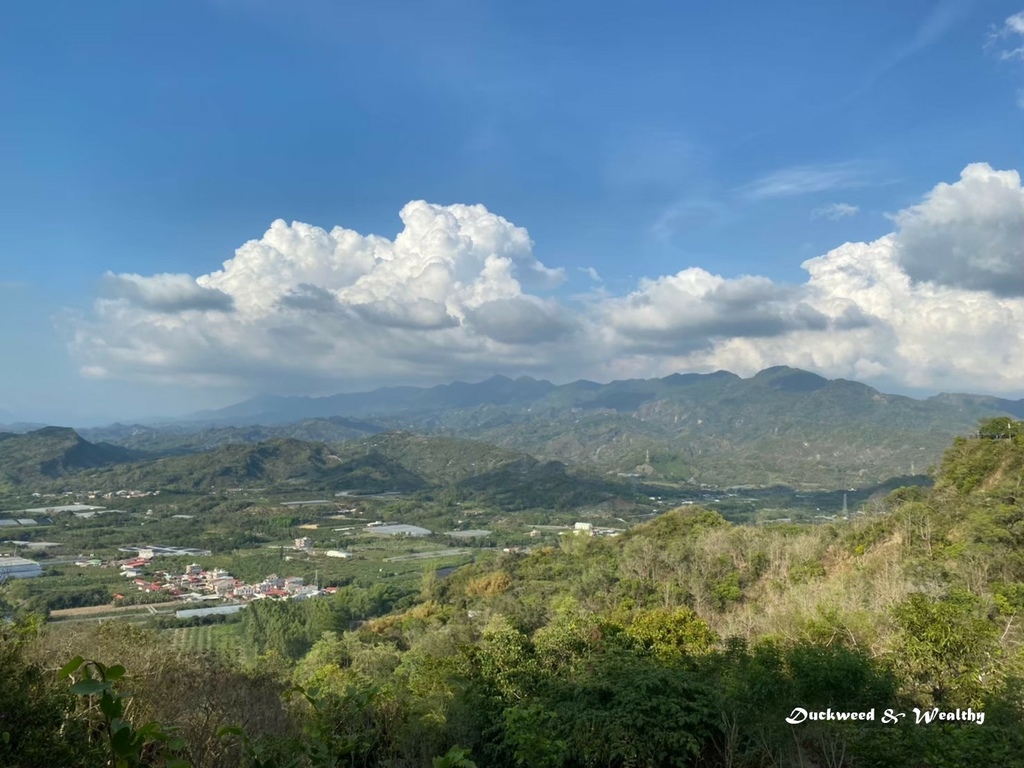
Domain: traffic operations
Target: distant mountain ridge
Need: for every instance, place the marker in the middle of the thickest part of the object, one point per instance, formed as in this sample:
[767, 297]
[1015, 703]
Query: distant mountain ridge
[177, 439]
[526, 391]
[782, 425]
[962, 401]
[270, 409]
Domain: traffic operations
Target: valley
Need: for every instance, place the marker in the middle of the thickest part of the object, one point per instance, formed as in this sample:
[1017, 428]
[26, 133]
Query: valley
[404, 573]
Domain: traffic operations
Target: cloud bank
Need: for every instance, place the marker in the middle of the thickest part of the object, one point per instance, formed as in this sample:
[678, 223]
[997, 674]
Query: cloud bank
[458, 293]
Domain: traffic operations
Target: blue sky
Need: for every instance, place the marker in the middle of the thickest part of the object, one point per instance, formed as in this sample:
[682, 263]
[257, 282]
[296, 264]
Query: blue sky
[631, 141]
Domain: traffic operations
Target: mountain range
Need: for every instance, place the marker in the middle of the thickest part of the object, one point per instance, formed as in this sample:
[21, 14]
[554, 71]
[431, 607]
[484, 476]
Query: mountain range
[627, 395]
[780, 426]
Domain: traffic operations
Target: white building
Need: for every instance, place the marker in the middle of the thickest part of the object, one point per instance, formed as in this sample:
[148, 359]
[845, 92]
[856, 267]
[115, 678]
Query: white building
[304, 543]
[18, 568]
[586, 529]
[337, 553]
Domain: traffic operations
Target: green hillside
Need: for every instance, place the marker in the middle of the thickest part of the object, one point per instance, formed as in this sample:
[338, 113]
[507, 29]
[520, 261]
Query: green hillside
[465, 470]
[52, 452]
[176, 439]
[781, 426]
[439, 459]
[280, 462]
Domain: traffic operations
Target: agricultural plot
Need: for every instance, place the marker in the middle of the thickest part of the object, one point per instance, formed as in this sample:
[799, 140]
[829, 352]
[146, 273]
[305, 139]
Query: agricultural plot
[216, 638]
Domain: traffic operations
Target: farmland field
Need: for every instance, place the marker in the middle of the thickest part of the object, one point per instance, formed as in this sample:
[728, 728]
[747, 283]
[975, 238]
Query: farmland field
[218, 638]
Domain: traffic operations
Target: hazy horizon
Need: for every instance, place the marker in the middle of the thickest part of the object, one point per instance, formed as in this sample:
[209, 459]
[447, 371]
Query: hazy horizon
[86, 420]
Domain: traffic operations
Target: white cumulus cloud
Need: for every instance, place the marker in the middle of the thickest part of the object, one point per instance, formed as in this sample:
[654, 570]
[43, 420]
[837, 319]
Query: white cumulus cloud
[694, 309]
[458, 293]
[165, 293]
[311, 303]
[968, 234]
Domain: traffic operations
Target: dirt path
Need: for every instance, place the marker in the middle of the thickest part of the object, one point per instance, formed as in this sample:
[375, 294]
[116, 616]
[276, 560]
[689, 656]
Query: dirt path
[94, 609]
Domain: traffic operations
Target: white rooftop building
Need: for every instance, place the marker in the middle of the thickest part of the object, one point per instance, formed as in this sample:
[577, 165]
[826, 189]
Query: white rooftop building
[400, 528]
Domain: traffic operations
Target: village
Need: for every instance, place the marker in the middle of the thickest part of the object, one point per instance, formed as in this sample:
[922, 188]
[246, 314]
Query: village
[198, 584]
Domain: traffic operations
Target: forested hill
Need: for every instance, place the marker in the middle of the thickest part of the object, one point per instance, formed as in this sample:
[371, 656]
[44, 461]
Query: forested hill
[686, 642]
[783, 425]
[283, 461]
[52, 452]
[396, 462]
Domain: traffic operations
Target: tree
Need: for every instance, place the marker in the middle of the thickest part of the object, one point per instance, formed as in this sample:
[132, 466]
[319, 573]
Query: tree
[946, 646]
[672, 635]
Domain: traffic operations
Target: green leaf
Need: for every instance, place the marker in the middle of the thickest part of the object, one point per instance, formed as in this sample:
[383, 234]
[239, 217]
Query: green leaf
[116, 672]
[89, 687]
[121, 740]
[230, 730]
[152, 730]
[68, 669]
[117, 725]
[177, 762]
[110, 705]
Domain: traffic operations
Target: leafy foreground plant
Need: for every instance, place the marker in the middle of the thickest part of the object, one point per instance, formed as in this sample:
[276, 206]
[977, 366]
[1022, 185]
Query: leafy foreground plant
[128, 746]
[327, 742]
[454, 758]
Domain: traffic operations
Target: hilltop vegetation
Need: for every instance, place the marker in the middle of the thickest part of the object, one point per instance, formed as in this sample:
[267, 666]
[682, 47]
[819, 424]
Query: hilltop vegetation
[686, 641]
